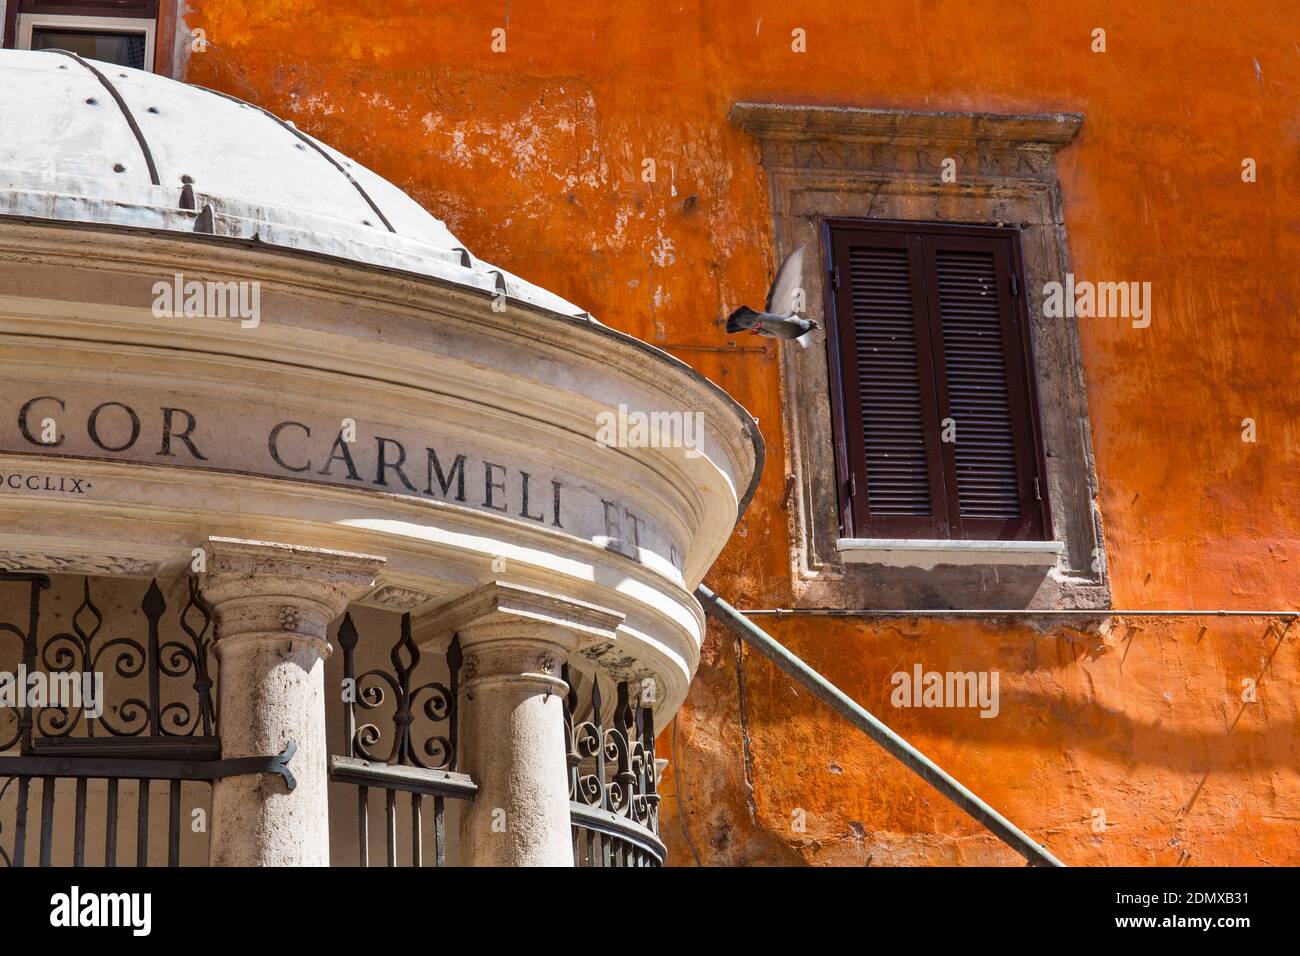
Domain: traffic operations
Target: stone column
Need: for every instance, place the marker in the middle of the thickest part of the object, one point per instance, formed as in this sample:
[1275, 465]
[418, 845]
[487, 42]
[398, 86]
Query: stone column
[511, 724]
[273, 605]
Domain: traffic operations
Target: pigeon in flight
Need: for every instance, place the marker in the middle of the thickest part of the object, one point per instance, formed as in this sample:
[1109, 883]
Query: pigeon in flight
[778, 319]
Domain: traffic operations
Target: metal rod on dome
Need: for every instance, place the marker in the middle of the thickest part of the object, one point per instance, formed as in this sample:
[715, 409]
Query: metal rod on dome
[864, 720]
[126, 114]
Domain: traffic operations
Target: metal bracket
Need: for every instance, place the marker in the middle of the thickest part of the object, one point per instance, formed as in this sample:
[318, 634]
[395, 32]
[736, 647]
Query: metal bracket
[240, 766]
[84, 763]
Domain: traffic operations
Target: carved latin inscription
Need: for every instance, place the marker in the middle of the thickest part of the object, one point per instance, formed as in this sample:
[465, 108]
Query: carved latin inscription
[254, 439]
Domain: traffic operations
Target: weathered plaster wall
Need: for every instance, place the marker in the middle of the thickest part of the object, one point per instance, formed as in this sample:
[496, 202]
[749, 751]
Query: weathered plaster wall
[534, 158]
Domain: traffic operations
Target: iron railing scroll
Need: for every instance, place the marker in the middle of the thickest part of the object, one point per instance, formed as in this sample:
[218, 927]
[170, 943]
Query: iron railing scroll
[145, 713]
[398, 759]
[614, 805]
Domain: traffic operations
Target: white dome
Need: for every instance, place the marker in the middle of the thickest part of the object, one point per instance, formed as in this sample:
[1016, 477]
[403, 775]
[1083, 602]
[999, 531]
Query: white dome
[84, 141]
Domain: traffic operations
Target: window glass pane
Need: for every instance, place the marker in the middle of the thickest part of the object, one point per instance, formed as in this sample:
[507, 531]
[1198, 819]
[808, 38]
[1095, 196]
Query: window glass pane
[123, 49]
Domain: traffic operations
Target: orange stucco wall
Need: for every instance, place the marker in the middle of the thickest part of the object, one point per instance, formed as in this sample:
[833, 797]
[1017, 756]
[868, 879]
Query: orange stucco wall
[534, 158]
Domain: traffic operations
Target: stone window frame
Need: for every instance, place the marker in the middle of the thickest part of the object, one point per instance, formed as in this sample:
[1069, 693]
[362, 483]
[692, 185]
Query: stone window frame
[857, 163]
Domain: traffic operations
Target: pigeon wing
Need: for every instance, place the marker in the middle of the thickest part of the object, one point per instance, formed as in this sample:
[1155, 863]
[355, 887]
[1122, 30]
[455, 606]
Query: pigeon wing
[780, 298]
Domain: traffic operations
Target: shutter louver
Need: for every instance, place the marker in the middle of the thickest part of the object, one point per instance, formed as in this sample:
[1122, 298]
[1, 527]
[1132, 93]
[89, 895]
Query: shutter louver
[888, 383]
[988, 484]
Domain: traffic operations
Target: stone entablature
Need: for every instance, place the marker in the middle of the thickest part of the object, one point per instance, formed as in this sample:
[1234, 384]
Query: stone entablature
[507, 401]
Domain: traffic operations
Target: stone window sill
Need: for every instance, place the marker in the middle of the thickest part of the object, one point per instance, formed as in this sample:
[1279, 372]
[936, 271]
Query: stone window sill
[929, 554]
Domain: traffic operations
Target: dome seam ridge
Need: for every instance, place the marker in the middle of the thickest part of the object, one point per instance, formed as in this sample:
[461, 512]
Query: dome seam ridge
[314, 145]
[126, 113]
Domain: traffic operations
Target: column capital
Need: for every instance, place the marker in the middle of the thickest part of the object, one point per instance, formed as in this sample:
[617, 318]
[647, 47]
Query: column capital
[500, 610]
[267, 590]
[513, 633]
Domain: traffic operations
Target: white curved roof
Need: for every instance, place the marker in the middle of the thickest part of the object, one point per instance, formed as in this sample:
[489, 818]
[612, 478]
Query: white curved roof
[86, 141]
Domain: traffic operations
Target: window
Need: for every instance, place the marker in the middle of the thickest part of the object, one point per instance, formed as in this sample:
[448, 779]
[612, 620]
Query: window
[880, 171]
[935, 413]
[120, 40]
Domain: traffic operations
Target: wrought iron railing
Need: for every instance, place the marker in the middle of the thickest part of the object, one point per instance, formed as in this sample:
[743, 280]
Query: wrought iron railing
[614, 805]
[154, 737]
[399, 759]
[151, 729]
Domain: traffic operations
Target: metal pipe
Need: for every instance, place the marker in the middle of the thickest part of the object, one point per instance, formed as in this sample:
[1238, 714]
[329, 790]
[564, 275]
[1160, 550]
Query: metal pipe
[861, 718]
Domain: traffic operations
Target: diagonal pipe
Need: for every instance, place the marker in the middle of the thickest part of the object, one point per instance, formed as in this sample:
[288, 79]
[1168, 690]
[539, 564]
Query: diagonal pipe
[864, 720]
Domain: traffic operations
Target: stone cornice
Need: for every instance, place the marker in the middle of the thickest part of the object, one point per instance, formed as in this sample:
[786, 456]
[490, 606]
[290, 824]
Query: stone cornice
[321, 277]
[774, 121]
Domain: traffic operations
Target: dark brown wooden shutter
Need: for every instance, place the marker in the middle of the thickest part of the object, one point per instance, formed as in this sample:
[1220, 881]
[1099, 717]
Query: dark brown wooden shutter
[928, 327]
[895, 476]
[989, 469]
